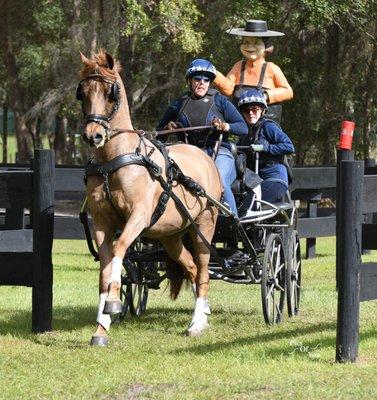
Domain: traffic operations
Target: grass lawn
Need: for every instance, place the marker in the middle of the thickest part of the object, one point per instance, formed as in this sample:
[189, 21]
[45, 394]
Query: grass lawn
[150, 358]
[12, 148]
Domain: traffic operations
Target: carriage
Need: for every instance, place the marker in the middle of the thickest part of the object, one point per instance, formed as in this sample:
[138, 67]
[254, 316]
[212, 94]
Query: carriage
[138, 188]
[263, 249]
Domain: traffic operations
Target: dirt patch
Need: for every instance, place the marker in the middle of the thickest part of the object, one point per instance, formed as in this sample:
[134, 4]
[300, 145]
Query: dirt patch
[138, 391]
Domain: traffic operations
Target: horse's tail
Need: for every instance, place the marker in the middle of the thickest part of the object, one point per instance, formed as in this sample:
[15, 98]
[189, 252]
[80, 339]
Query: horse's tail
[176, 275]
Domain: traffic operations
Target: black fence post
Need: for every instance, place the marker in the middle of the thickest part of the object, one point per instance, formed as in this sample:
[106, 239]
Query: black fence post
[342, 155]
[368, 218]
[349, 259]
[43, 232]
[311, 212]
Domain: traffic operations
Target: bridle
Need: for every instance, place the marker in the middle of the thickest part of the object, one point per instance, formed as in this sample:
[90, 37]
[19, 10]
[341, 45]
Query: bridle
[101, 119]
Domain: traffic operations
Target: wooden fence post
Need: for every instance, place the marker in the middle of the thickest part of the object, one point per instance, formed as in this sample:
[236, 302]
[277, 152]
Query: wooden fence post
[349, 219]
[342, 155]
[43, 233]
[311, 212]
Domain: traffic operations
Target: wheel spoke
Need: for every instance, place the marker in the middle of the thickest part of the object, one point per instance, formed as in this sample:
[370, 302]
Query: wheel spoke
[270, 290]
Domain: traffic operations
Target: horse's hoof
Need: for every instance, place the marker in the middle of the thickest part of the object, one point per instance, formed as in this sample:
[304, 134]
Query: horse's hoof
[196, 331]
[99, 340]
[112, 307]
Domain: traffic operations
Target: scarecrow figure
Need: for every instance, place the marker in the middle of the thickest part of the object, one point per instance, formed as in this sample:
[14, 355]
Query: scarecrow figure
[254, 71]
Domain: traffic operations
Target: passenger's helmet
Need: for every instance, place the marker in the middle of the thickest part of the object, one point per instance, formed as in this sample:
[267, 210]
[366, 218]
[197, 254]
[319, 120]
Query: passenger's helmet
[252, 96]
[202, 67]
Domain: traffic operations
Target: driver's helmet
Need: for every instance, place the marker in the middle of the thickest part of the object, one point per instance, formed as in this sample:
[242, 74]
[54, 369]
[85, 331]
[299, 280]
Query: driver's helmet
[251, 97]
[201, 67]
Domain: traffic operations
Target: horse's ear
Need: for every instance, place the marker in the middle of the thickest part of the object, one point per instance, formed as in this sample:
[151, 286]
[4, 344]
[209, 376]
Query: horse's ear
[83, 58]
[110, 61]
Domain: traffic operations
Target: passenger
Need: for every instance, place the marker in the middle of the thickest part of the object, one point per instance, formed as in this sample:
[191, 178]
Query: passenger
[254, 71]
[200, 106]
[268, 139]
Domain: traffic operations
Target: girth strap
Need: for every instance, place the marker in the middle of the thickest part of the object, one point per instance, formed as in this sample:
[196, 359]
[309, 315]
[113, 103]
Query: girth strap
[118, 162]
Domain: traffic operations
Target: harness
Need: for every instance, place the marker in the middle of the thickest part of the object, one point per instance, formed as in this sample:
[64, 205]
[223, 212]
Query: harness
[107, 168]
[172, 172]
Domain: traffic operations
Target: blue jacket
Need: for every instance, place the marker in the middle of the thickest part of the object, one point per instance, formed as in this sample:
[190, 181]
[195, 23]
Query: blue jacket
[222, 108]
[276, 144]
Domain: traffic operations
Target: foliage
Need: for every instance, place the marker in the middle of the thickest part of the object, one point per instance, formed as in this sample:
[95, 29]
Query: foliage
[328, 55]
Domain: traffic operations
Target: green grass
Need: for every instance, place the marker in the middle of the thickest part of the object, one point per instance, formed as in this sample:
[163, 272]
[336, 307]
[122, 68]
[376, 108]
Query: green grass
[150, 358]
[12, 149]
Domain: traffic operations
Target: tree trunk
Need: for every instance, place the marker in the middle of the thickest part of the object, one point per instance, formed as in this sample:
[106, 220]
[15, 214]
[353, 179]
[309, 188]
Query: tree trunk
[5, 132]
[370, 92]
[60, 138]
[330, 90]
[126, 54]
[15, 93]
[23, 137]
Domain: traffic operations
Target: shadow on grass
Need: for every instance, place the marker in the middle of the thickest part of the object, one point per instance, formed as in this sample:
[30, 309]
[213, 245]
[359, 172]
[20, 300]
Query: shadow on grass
[68, 319]
[257, 339]
[320, 255]
[65, 319]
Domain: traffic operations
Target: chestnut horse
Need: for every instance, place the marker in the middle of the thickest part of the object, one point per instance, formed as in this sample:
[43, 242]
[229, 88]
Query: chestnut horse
[127, 197]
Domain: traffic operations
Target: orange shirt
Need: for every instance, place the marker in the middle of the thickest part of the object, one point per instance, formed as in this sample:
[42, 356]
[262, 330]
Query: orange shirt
[275, 83]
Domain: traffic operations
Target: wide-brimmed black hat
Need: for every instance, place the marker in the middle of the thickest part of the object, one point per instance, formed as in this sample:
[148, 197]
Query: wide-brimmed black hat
[255, 27]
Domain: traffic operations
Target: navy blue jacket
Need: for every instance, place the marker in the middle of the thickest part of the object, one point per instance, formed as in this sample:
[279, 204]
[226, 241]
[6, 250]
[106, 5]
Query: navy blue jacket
[276, 144]
[222, 109]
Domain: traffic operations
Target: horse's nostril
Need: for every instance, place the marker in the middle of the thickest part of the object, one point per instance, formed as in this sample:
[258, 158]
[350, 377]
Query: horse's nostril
[98, 138]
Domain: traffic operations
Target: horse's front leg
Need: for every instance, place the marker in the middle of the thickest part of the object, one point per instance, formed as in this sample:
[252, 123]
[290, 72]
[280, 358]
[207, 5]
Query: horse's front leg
[105, 246]
[134, 226]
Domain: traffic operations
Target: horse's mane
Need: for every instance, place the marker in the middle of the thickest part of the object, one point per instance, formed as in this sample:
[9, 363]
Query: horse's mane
[98, 64]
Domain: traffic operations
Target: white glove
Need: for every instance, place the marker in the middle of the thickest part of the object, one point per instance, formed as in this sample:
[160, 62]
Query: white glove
[256, 147]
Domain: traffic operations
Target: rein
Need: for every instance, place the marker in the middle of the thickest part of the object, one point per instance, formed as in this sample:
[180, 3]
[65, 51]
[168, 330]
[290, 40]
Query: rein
[104, 120]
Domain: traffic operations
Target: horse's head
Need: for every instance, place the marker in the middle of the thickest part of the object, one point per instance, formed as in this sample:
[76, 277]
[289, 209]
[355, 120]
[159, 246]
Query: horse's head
[100, 94]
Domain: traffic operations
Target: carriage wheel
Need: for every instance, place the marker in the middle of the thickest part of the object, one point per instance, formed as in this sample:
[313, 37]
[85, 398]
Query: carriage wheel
[138, 293]
[125, 298]
[273, 280]
[134, 291]
[293, 274]
[137, 289]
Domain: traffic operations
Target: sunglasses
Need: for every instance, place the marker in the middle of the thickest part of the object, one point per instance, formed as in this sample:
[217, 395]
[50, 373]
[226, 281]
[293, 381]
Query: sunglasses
[253, 109]
[200, 78]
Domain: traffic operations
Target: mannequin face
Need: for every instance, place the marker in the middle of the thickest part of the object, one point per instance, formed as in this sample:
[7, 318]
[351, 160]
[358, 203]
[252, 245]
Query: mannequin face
[252, 48]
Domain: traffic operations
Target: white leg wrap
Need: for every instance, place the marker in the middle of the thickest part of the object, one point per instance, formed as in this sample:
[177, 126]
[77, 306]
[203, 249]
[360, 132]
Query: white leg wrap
[116, 270]
[207, 309]
[199, 321]
[103, 319]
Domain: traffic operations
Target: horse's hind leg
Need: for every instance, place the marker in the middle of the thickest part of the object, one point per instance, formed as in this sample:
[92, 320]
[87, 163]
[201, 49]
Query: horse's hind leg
[206, 223]
[177, 252]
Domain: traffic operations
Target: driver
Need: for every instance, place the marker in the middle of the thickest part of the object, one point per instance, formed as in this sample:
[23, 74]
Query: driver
[201, 106]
